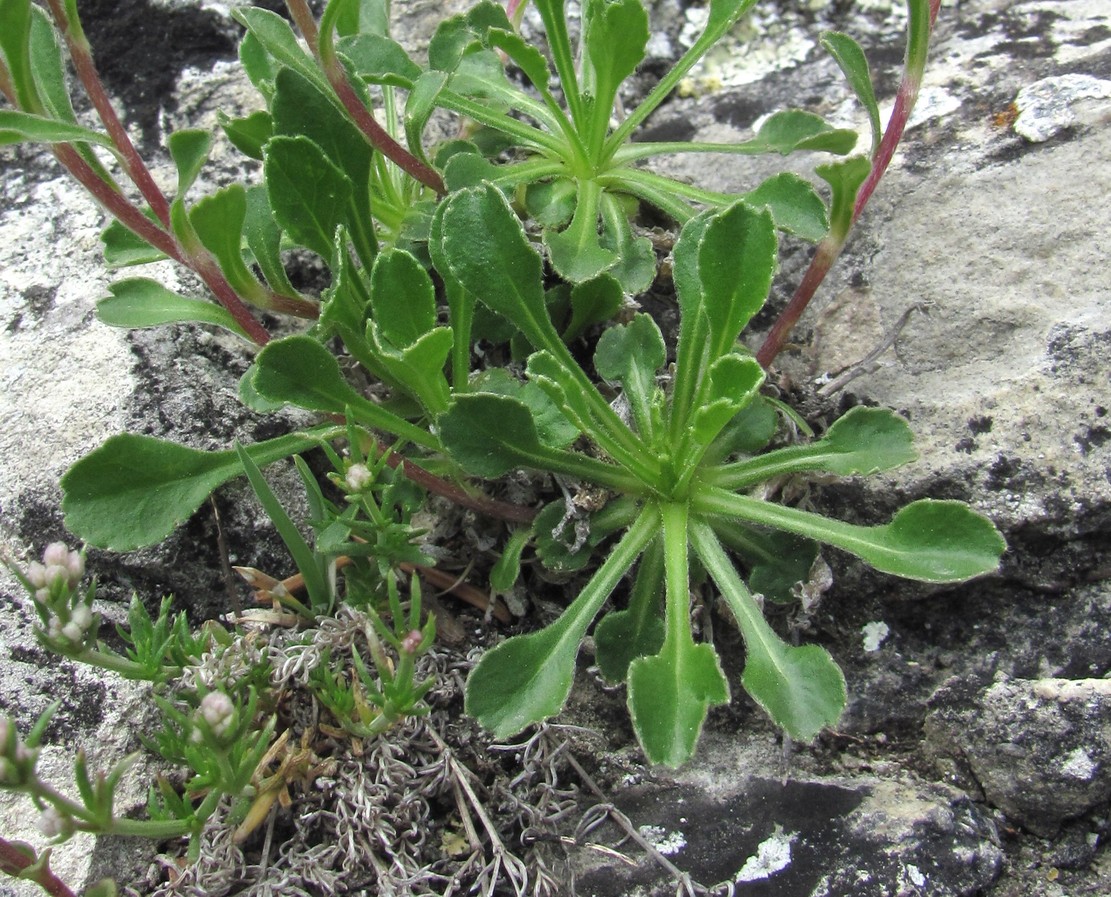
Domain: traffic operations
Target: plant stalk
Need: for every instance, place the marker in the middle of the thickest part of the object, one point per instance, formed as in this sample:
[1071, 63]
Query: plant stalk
[923, 14]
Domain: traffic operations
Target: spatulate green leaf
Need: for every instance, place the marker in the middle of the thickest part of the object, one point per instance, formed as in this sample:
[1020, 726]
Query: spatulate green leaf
[141, 302]
[928, 540]
[527, 678]
[801, 688]
[133, 490]
[308, 194]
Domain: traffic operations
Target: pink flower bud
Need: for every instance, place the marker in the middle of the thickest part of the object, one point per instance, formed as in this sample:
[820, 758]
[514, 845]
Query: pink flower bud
[36, 575]
[412, 641]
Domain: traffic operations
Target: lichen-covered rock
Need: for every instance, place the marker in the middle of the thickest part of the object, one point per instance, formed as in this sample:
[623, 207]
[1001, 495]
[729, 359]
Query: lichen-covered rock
[1039, 749]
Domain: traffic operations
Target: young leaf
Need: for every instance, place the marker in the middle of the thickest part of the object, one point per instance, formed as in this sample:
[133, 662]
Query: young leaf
[777, 561]
[632, 354]
[123, 248]
[928, 540]
[378, 59]
[735, 381]
[264, 239]
[402, 297]
[527, 678]
[801, 688]
[133, 490]
[320, 595]
[218, 222]
[273, 33]
[615, 34]
[308, 194]
[248, 134]
[576, 252]
[853, 63]
[140, 302]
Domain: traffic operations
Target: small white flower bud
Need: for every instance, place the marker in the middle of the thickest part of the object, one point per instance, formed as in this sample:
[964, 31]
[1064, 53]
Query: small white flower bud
[73, 633]
[56, 573]
[36, 575]
[82, 616]
[218, 711]
[75, 563]
[54, 824]
[55, 554]
[358, 477]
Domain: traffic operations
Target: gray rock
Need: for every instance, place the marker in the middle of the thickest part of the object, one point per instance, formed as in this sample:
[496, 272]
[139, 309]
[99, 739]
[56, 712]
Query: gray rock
[1039, 749]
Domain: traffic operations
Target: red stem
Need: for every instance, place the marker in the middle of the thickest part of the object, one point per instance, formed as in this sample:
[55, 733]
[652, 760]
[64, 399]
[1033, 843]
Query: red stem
[134, 220]
[377, 135]
[830, 247]
[13, 861]
[81, 54]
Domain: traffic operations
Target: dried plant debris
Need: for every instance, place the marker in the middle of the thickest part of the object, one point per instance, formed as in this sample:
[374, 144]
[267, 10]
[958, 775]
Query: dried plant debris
[433, 807]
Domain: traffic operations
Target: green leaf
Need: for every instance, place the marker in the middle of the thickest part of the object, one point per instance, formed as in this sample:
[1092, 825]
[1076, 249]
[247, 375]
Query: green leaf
[298, 370]
[801, 688]
[249, 134]
[15, 36]
[218, 222]
[793, 129]
[635, 268]
[123, 248]
[615, 34]
[932, 541]
[527, 678]
[189, 149]
[308, 194]
[736, 260]
[593, 302]
[141, 302]
[624, 635]
[378, 59]
[23, 127]
[553, 428]
[795, 206]
[632, 354]
[530, 60]
[419, 106]
[669, 696]
[777, 561]
[487, 252]
[47, 64]
[320, 595]
[418, 367]
[862, 441]
[133, 490]
[278, 39]
[671, 692]
[735, 381]
[551, 203]
[848, 55]
[304, 108]
[264, 239]
[844, 179]
[577, 252]
[490, 435]
[402, 297]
